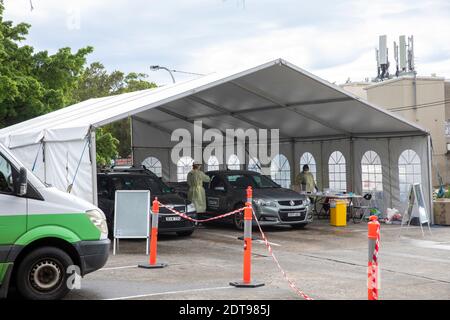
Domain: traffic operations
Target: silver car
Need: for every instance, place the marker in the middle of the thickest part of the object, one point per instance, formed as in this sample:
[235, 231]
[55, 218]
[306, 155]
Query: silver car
[273, 204]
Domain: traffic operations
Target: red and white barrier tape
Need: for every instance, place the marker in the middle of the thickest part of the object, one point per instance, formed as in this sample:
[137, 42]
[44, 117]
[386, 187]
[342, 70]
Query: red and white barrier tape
[185, 216]
[266, 242]
[291, 283]
[375, 266]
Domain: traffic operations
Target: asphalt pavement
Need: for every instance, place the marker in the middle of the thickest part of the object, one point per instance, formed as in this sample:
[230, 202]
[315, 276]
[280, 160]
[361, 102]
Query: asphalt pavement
[323, 261]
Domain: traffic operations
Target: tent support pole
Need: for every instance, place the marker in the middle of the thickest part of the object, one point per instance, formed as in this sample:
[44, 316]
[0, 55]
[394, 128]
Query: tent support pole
[430, 180]
[294, 165]
[322, 167]
[353, 165]
[44, 160]
[391, 205]
[130, 120]
[93, 152]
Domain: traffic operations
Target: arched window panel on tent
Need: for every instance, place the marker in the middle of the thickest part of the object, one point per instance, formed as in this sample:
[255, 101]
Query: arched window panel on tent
[254, 165]
[371, 173]
[213, 163]
[233, 163]
[308, 159]
[184, 165]
[280, 171]
[337, 172]
[154, 165]
[409, 172]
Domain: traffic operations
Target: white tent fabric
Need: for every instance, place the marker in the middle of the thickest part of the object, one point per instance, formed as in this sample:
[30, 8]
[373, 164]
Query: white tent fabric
[311, 114]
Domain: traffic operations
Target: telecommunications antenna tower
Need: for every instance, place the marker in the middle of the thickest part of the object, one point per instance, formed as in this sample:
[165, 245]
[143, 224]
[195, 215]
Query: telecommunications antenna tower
[382, 59]
[404, 56]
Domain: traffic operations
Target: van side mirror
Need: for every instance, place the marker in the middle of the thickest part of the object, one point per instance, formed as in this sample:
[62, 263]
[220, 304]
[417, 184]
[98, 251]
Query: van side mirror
[23, 182]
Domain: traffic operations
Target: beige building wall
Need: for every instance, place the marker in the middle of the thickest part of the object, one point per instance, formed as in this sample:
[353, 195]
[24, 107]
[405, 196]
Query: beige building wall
[357, 88]
[424, 104]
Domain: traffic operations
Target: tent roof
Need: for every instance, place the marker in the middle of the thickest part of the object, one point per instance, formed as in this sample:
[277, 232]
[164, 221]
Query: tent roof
[276, 94]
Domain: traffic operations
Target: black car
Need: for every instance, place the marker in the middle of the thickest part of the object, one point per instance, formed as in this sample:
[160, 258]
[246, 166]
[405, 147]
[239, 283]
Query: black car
[142, 179]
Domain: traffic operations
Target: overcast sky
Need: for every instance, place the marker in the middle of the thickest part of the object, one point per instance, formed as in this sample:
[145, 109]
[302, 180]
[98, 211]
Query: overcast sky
[333, 39]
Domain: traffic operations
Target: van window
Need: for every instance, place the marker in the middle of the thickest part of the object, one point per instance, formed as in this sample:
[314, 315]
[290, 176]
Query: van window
[6, 176]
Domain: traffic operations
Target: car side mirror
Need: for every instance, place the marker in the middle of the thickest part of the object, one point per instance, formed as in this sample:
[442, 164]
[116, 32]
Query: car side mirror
[23, 182]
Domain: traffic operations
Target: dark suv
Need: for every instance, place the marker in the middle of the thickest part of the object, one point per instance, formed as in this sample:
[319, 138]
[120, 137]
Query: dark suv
[142, 179]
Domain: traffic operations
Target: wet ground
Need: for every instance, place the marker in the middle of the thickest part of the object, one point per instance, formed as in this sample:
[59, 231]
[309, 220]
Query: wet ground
[326, 262]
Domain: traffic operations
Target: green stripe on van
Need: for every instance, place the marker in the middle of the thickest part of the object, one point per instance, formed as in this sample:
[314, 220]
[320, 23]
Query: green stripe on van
[23, 229]
[11, 228]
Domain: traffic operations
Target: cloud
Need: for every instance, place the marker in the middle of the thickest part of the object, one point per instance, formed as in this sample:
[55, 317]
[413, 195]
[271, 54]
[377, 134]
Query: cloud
[335, 39]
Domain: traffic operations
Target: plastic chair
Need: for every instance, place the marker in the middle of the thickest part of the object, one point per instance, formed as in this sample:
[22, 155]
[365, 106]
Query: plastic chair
[362, 208]
[324, 212]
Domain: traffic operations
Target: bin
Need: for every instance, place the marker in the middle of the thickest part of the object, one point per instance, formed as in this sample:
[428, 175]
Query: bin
[338, 213]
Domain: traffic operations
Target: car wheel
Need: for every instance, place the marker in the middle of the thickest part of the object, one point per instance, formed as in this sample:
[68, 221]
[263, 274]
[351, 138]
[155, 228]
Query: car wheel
[185, 233]
[238, 218]
[298, 226]
[42, 274]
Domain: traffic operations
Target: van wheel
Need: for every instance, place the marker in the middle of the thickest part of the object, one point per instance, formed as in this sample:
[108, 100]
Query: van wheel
[42, 274]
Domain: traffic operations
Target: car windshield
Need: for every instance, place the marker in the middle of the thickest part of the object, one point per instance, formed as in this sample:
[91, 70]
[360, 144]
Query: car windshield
[155, 185]
[256, 181]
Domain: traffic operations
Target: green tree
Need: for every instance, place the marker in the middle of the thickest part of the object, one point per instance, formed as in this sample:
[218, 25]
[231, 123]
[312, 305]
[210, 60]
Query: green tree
[32, 84]
[106, 147]
[96, 82]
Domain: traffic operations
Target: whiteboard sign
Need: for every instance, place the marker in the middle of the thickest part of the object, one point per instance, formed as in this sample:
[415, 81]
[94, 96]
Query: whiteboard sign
[131, 215]
[416, 201]
[423, 216]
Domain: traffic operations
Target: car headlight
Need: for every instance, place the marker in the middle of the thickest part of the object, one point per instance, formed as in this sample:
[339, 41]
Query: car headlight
[307, 201]
[265, 203]
[190, 208]
[98, 219]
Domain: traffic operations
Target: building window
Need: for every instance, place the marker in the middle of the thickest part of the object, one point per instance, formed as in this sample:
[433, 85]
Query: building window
[371, 172]
[184, 165]
[154, 165]
[254, 165]
[233, 162]
[308, 159]
[409, 172]
[280, 170]
[213, 163]
[337, 172]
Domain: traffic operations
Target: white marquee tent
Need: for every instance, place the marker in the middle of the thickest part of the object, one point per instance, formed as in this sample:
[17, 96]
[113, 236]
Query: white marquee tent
[313, 116]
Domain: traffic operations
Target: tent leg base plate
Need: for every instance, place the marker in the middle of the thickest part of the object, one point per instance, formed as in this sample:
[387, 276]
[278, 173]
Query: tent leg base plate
[241, 284]
[153, 266]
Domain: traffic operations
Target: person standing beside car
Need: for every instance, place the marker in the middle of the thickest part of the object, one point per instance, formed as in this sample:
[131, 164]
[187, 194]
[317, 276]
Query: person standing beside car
[196, 193]
[305, 180]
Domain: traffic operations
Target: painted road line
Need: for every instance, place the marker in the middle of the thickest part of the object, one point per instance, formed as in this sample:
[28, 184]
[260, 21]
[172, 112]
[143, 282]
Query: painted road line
[428, 244]
[169, 292]
[234, 237]
[271, 243]
[117, 268]
[418, 257]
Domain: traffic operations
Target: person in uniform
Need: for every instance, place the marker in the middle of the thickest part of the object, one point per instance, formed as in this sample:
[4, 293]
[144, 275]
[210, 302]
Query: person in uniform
[305, 180]
[196, 193]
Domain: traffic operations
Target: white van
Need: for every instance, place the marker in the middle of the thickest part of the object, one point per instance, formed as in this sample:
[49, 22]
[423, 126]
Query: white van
[45, 234]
